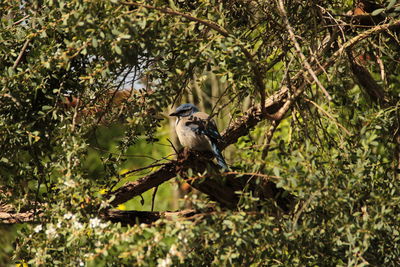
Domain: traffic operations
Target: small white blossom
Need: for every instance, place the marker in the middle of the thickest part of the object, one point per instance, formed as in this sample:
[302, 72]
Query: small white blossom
[157, 238]
[77, 225]
[69, 183]
[182, 238]
[59, 224]
[81, 263]
[51, 232]
[38, 228]
[95, 222]
[68, 216]
[165, 262]
[173, 251]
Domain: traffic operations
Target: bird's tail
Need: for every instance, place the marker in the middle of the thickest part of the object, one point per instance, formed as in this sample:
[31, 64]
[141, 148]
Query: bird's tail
[218, 155]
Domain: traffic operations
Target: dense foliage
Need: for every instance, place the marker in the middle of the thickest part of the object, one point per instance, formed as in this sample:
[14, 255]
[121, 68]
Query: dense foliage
[336, 149]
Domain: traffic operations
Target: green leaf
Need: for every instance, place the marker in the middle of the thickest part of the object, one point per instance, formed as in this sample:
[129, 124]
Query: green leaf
[257, 45]
[11, 71]
[391, 4]
[378, 11]
[46, 107]
[95, 43]
[118, 50]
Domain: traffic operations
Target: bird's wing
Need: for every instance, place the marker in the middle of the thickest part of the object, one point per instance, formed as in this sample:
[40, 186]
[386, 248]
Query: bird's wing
[202, 124]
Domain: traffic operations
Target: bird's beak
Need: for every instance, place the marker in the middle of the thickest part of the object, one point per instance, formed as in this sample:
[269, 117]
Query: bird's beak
[173, 114]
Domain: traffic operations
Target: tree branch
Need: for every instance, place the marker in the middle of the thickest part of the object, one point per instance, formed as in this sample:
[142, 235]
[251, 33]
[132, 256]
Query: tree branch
[131, 217]
[365, 80]
[169, 11]
[125, 217]
[276, 107]
[298, 50]
[23, 217]
[21, 53]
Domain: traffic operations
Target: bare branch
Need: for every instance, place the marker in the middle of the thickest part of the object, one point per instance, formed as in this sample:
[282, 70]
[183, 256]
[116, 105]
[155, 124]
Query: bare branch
[131, 217]
[298, 50]
[21, 53]
[125, 217]
[365, 80]
[21, 20]
[23, 217]
[329, 116]
[138, 187]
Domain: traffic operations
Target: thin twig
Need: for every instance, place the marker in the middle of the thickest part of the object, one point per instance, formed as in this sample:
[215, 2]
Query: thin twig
[141, 169]
[176, 151]
[21, 20]
[153, 198]
[12, 98]
[253, 174]
[298, 50]
[329, 116]
[303, 207]
[268, 139]
[125, 155]
[21, 53]
[74, 117]
[258, 77]
[364, 35]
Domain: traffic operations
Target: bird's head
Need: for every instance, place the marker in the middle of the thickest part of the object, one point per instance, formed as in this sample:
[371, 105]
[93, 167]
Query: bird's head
[185, 110]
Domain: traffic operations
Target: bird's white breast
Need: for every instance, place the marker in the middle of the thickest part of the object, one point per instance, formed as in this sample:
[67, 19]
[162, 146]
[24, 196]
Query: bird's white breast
[188, 138]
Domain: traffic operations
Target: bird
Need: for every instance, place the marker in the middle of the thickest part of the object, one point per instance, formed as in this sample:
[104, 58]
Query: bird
[197, 131]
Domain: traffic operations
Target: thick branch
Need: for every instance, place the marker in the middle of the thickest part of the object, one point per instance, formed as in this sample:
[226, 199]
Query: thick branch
[131, 217]
[138, 187]
[23, 217]
[125, 217]
[365, 80]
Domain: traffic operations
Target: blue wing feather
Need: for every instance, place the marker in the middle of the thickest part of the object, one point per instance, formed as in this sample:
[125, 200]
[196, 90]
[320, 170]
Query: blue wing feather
[220, 159]
[201, 125]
